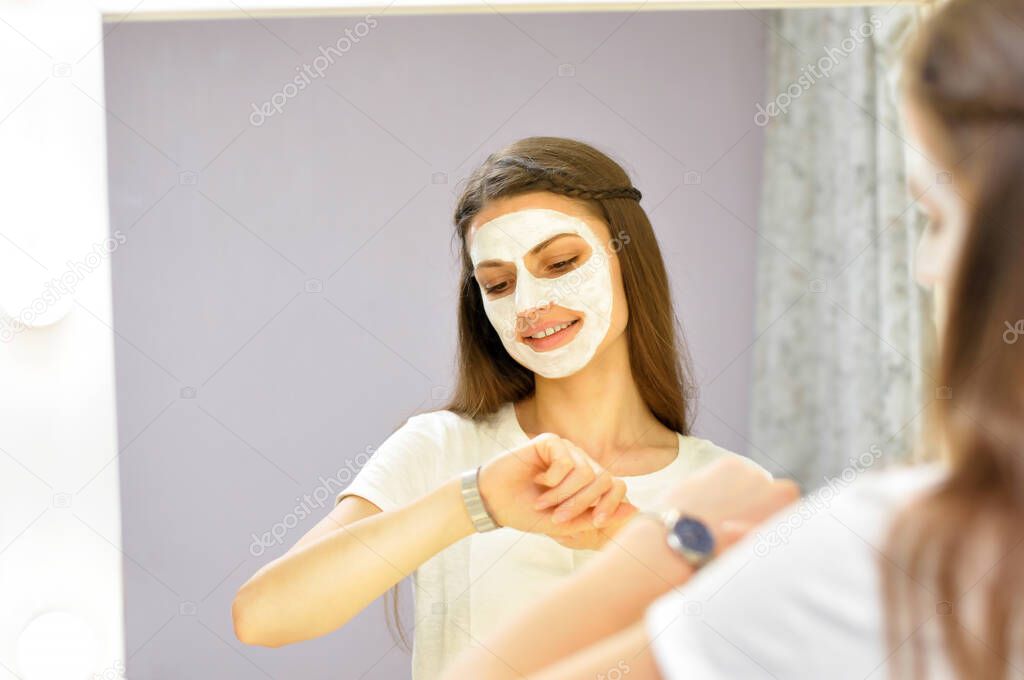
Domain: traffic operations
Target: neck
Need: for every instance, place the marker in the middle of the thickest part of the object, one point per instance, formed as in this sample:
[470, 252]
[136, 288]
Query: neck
[599, 408]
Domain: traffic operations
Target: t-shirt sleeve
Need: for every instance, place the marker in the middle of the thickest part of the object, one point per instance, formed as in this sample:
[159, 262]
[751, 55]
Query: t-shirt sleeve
[405, 465]
[797, 598]
[709, 451]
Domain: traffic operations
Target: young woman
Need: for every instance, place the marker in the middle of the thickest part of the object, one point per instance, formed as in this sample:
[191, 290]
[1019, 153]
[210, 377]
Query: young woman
[567, 344]
[912, 572]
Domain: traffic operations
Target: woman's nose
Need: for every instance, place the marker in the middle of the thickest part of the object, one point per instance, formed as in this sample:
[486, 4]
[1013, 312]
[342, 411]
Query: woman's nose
[531, 296]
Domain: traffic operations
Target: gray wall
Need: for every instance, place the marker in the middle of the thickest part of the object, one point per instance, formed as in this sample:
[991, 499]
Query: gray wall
[285, 296]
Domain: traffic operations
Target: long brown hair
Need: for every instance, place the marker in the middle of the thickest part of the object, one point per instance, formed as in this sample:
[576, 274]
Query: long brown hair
[487, 376]
[964, 74]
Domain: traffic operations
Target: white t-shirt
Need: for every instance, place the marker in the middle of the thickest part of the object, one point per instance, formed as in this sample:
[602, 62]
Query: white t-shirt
[475, 584]
[798, 598]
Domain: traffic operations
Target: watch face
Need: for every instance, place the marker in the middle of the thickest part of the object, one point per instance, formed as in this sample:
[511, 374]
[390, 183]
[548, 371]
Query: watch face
[692, 536]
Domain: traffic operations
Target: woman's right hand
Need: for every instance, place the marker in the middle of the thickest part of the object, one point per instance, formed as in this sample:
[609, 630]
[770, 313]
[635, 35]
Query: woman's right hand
[553, 487]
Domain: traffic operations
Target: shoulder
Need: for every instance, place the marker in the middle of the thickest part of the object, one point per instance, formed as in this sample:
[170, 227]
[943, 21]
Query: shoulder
[847, 513]
[438, 422]
[703, 451]
[898, 482]
[874, 496]
[449, 430]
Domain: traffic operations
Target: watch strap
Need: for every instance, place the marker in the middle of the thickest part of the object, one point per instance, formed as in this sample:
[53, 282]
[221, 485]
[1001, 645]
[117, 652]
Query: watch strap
[668, 518]
[478, 514]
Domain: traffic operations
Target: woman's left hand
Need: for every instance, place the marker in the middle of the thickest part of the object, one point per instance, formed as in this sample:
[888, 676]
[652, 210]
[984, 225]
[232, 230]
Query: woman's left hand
[592, 538]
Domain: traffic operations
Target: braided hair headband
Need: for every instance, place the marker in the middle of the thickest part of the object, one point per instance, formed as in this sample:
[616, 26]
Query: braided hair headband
[591, 194]
[547, 179]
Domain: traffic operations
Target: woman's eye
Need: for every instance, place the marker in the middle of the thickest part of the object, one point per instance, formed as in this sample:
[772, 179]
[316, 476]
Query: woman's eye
[562, 265]
[496, 288]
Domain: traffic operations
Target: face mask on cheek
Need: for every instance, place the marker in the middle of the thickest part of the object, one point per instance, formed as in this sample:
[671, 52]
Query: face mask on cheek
[585, 291]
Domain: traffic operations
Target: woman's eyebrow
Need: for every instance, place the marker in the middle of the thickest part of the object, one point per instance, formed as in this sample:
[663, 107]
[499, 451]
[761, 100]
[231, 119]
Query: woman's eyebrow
[545, 243]
[533, 251]
[492, 263]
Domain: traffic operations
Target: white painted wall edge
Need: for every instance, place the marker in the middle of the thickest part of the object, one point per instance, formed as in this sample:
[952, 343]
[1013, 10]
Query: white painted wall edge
[60, 521]
[156, 10]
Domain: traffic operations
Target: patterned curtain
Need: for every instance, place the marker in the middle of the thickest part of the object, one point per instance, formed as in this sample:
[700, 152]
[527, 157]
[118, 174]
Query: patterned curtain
[840, 363]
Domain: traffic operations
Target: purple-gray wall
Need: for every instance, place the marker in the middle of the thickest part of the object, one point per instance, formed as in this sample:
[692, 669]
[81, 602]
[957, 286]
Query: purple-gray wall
[285, 296]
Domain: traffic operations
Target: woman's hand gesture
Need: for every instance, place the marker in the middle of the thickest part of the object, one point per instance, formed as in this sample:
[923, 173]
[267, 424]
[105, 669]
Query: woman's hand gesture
[551, 486]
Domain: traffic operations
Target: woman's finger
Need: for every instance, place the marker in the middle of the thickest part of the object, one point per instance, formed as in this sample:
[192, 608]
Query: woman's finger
[584, 498]
[607, 504]
[585, 522]
[559, 460]
[581, 474]
[561, 466]
[623, 513]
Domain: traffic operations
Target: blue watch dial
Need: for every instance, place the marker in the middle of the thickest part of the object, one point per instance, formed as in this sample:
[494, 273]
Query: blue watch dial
[693, 536]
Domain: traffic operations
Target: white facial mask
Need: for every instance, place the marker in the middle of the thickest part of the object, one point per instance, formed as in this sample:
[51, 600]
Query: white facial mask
[585, 291]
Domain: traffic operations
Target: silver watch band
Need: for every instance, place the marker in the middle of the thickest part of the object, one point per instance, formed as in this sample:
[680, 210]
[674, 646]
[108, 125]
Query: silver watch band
[481, 519]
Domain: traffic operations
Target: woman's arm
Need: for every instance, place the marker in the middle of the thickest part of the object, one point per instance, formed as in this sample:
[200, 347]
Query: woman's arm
[627, 652]
[612, 590]
[608, 593]
[341, 566]
[357, 552]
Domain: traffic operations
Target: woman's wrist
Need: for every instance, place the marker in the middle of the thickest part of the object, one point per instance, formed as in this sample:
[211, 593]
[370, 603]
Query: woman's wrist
[644, 540]
[456, 517]
[632, 570]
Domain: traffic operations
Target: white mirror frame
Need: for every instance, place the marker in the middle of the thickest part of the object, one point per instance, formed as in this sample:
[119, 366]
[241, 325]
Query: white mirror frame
[54, 174]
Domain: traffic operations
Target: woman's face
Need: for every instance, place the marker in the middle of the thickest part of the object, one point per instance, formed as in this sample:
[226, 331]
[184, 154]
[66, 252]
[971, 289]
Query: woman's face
[935, 189]
[550, 280]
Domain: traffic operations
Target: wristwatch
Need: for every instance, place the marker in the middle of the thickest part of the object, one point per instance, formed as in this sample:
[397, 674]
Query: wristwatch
[478, 513]
[687, 536]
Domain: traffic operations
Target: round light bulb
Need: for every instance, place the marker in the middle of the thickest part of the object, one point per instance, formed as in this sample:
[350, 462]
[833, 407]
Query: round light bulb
[56, 645]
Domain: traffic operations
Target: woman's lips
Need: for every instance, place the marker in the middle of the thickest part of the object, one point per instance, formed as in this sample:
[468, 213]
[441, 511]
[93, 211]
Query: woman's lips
[556, 339]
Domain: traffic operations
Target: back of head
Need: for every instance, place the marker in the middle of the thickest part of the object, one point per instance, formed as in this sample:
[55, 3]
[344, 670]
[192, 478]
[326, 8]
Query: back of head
[964, 78]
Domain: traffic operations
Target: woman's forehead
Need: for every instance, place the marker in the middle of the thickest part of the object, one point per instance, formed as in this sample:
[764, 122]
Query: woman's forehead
[545, 210]
[513, 235]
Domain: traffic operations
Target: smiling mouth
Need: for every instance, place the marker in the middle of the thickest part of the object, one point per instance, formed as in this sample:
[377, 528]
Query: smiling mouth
[553, 337]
